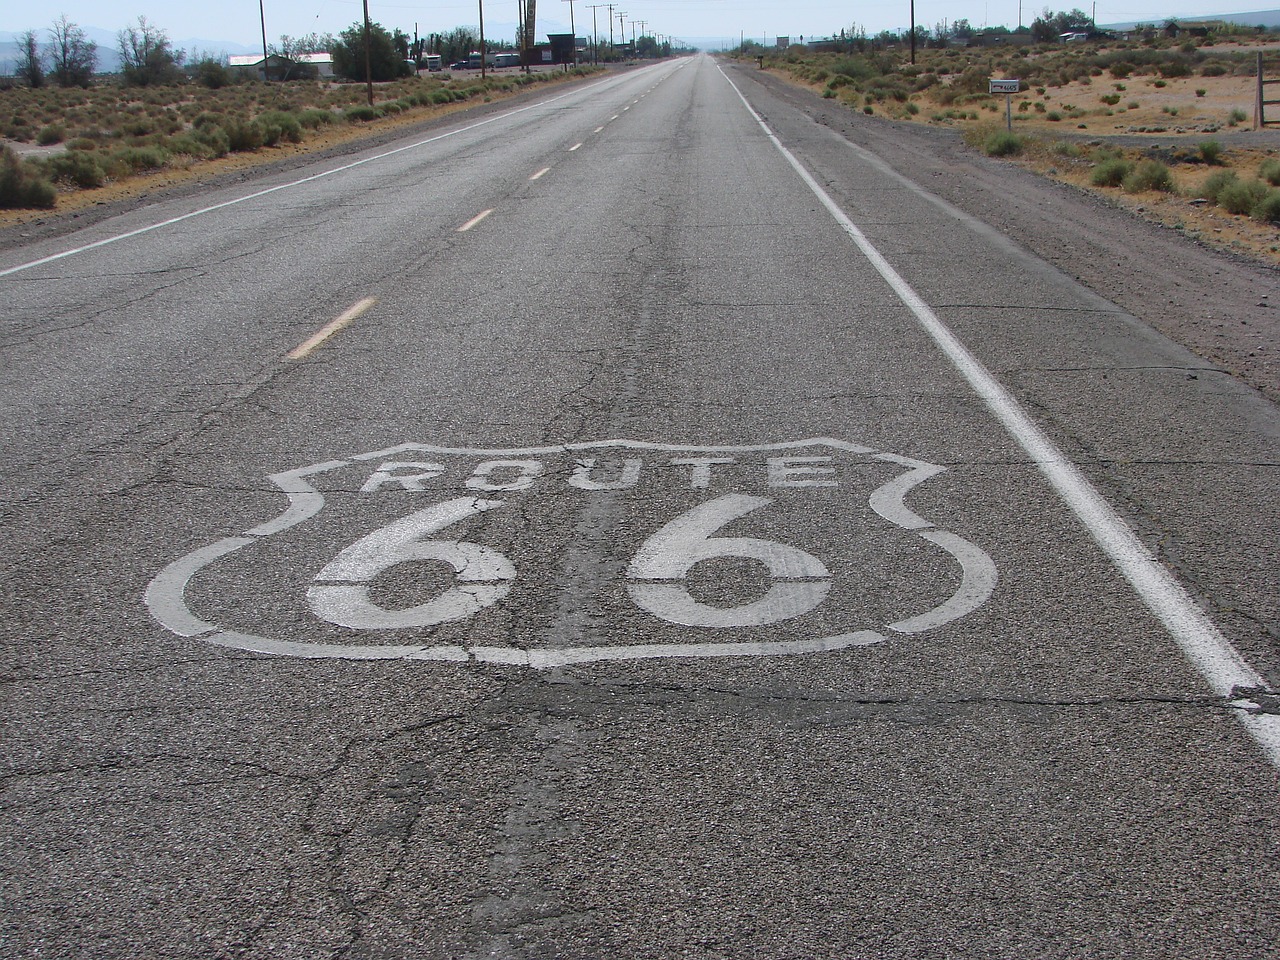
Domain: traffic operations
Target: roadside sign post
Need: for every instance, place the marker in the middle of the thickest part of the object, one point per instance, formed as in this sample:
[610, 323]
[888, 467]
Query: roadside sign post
[1008, 88]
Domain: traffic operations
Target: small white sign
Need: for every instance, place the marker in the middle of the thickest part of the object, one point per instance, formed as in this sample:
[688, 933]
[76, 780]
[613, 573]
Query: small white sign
[1007, 87]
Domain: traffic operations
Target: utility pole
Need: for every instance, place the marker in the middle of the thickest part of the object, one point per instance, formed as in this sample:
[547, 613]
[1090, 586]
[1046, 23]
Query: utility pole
[573, 29]
[610, 6]
[595, 32]
[484, 61]
[622, 26]
[913, 31]
[368, 62]
[266, 74]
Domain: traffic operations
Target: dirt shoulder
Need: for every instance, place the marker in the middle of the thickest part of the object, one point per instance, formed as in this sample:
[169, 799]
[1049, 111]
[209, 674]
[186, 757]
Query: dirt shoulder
[1221, 306]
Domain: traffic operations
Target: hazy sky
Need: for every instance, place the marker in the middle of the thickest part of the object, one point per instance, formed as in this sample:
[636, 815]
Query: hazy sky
[238, 20]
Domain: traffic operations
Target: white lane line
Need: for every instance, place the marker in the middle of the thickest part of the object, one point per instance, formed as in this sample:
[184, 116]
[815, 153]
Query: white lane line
[576, 146]
[1228, 674]
[283, 186]
[614, 117]
[324, 333]
[598, 129]
[541, 173]
[474, 220]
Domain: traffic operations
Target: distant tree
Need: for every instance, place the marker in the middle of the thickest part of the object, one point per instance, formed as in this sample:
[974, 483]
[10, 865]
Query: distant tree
[210, 71]
[147, 59]
[385, 62]
[74, 56]
[400, 40]
[1049, 26]
[30, 65]
[457, 44]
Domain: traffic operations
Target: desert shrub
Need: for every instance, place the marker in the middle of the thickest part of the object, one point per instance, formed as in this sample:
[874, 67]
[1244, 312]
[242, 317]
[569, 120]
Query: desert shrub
[20, 188]
[1111, 172]
[1215, 183]
[76, 166]
[1111, 99]
[130, 160]
[1235, 117]
[50, 135]
[1270, 172]
[278, 125]
[1148, 175]
[1241, 196]
[1211, 152]
[361, 114]
[313, 119]
[1121, 69]
[1002, 143]
[243, 136]
[1053, 116]
[1268, 208]
[1212, 70]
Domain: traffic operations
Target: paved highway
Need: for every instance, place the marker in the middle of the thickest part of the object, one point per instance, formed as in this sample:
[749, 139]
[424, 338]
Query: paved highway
[638, 522]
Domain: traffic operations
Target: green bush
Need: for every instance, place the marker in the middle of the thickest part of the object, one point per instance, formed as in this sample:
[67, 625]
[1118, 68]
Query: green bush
[1241, 196]
[278, 125]
[1236, 117]
[314, 119]
[1268, 208]
[131, 160]
[19, 188]
[1149, 175]
[50, 135]
[1215, 183]
[361, 114]
[76, 166]
[1002, 143]
[244, 136]
[1111, 172]
[1270, 172]
[1211, 152]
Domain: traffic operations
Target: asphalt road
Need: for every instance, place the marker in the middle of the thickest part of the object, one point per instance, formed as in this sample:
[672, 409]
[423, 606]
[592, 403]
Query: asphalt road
[639, 522]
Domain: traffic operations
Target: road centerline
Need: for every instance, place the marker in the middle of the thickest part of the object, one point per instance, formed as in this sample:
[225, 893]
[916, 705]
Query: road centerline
[345, 319]
[475, 220]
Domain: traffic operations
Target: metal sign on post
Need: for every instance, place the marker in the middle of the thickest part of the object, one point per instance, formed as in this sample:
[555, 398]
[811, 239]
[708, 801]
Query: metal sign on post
[1008, 88]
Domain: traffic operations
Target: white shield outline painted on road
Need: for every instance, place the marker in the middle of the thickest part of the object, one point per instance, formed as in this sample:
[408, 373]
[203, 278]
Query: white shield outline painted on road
[166, 601]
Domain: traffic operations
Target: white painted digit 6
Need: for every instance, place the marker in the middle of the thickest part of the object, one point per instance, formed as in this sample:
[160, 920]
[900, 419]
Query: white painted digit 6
[484, 576]
[671, 553]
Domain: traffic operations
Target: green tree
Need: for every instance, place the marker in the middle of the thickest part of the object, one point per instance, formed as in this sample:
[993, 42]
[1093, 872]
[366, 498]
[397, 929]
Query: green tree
[74, 56]
[30, 65]
[385, 62]
[147, 59]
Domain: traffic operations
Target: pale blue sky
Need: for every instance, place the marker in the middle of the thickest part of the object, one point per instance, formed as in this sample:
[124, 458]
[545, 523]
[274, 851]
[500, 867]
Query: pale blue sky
[238, 20]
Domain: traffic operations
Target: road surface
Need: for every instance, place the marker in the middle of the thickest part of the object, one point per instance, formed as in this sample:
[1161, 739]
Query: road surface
[639, 522]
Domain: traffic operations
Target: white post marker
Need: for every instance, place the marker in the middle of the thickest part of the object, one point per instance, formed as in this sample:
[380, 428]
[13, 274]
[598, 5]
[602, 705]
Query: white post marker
[1008, 88]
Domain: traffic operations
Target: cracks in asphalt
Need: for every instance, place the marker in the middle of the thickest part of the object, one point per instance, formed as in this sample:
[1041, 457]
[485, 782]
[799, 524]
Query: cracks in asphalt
[1250, 700]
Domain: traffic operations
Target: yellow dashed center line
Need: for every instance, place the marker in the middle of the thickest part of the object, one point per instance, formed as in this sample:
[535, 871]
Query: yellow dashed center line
[323, 334]
[474, 220]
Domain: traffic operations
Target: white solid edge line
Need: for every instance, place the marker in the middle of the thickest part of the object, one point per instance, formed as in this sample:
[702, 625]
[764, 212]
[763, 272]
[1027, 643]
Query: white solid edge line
[285, 186]
[1228, 674]
[348, 316]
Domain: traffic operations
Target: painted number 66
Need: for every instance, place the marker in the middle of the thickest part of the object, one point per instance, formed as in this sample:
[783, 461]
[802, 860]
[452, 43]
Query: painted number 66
[655, 577]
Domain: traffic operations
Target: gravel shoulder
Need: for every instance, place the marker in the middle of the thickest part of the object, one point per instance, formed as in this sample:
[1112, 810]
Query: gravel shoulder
[1222, 307]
